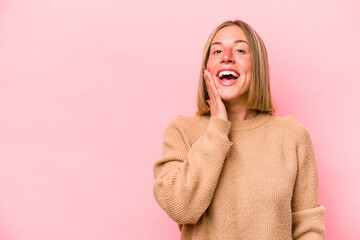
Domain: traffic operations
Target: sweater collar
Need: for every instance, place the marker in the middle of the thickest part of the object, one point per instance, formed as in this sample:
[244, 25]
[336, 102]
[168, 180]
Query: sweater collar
[252, 123]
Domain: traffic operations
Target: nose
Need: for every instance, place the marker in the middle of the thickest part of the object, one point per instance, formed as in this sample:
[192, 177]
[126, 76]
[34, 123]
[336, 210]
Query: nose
[227, 57]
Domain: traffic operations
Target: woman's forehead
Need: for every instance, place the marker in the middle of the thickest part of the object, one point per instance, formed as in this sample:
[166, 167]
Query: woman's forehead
[229, 34]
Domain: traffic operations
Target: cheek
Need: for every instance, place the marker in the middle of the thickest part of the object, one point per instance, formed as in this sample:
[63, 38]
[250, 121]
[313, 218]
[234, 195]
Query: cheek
[245, 63]
[210, 64]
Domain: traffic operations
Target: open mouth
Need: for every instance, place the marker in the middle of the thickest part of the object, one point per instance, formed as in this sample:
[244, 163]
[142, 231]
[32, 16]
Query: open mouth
[227, 77]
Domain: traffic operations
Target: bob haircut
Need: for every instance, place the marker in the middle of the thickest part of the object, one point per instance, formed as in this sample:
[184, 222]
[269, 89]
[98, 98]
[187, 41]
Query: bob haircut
[259, 94]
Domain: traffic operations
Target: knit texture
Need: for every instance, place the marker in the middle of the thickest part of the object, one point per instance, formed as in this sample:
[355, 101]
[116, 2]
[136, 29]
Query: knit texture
[230, 180]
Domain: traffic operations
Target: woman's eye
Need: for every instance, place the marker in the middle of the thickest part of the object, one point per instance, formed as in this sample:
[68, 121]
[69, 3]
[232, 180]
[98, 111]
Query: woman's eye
[240, 50]
[217, 51]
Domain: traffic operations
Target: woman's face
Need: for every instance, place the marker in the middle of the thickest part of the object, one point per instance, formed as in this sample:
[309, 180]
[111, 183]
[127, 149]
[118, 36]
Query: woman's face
[229, 60]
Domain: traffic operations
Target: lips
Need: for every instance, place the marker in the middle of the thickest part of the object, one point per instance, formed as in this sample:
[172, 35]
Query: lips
[227, 69]
[227, 82]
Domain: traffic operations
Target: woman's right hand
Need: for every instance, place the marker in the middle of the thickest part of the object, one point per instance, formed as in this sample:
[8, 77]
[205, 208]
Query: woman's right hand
[217, 106]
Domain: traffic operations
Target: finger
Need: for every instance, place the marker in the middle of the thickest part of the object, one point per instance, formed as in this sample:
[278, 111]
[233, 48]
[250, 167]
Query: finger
[215, 81]
[208, 87]
[214, 88]
[208, 84]
[213, 91]
[211, 78]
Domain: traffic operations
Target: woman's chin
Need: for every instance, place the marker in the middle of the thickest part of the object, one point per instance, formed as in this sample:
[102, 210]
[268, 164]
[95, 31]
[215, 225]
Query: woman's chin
[228, 99]
[227, 95]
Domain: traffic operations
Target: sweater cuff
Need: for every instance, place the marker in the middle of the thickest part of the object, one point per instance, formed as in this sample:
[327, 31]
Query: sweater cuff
[309, 223]
[219, 125]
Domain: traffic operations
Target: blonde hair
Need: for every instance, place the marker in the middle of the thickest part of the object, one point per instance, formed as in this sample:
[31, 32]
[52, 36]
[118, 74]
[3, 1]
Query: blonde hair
[259, 94]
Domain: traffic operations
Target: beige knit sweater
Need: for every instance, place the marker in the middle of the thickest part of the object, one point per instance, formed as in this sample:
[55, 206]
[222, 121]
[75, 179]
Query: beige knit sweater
[228, 180]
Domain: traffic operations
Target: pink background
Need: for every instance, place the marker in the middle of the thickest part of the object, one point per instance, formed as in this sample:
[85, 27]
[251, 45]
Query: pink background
[88, 87]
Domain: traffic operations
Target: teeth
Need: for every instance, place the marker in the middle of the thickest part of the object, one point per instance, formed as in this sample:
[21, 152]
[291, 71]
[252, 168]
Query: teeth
[228, 73]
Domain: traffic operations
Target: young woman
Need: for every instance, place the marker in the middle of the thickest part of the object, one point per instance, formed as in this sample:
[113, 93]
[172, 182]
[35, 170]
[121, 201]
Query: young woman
[235, 170]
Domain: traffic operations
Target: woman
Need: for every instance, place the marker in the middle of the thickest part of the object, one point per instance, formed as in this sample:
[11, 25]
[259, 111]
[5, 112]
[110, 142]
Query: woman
[235, 170]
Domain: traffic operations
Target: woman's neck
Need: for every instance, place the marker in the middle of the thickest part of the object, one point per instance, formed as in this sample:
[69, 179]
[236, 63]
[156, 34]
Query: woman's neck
[239, 112]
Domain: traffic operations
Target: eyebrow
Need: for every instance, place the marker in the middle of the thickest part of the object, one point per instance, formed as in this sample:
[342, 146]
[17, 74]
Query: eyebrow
[236, 41]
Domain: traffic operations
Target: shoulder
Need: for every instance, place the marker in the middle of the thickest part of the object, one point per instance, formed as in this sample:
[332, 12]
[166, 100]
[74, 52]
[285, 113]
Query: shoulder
[184, 123]
[190, 127]
[289, 127]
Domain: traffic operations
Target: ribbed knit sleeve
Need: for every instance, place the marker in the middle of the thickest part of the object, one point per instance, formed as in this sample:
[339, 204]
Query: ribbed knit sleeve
[307, 214]
[186, 177]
